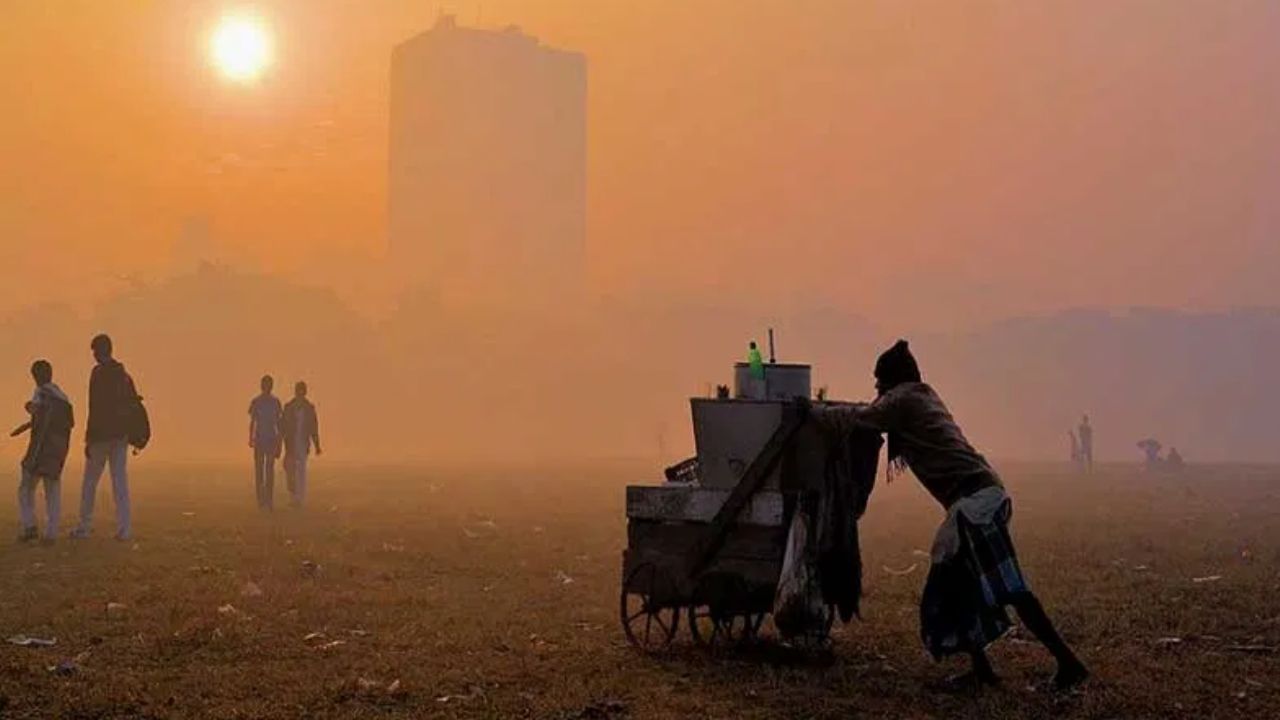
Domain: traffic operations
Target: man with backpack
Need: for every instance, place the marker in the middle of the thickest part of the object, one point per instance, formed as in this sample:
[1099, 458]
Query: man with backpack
[50, 425]
[116, 421]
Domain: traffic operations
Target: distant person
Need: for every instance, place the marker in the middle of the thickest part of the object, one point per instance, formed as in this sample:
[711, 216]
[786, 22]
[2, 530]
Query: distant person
[975, 573]
[1174, 459]
[1150, 448]
[1086, 444]
[1075, 450]
[113, 404]
[301, 430]
[264, 437]
[51, 422]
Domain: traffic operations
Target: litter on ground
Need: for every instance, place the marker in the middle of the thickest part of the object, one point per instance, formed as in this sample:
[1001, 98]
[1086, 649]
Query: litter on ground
[28, 641]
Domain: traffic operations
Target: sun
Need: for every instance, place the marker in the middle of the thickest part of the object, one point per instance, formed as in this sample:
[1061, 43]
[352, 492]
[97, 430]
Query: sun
[241, 48]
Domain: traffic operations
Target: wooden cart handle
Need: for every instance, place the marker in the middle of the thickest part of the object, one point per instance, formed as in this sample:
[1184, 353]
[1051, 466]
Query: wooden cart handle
[752, 479]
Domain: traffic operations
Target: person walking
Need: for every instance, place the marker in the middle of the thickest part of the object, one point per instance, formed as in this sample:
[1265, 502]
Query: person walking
[300, 429]
[113, 404]
[1075, 450]
[1086, 444]
[52, 419]
[264, 437]
[975, 573]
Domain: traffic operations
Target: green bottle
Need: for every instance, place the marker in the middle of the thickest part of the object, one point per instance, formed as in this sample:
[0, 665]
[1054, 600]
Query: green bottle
[755, 361]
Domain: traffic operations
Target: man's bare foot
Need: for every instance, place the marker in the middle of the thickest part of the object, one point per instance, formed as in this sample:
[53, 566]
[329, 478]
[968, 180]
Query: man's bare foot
[968, 682]
[1070, 675]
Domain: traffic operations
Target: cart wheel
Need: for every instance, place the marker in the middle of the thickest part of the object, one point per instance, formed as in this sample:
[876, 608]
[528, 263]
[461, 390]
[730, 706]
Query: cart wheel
[709, 629]
[648, 625]
[717, 618]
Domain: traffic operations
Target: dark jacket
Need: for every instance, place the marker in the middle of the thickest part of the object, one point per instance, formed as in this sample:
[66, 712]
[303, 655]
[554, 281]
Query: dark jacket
[112, 398]
[51, 422]
[931, 442]
[299, 427]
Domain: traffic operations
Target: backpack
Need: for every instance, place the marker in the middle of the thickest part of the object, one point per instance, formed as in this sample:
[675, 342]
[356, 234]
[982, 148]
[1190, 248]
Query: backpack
[138, 424]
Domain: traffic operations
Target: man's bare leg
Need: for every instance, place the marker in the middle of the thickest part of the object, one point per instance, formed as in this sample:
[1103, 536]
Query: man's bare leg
[1071, 671]
[982, 670]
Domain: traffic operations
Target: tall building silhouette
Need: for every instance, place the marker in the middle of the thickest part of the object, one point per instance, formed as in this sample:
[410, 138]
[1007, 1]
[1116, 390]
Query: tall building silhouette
[487, 165]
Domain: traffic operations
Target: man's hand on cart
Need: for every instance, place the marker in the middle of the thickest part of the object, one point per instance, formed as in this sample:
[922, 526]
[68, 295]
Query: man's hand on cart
[802, 407]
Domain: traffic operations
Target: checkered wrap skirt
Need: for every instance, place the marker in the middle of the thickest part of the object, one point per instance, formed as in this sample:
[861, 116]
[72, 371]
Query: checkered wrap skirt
[963, 606]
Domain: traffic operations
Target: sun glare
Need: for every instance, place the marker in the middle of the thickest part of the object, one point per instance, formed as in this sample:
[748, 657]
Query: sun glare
[241, 48]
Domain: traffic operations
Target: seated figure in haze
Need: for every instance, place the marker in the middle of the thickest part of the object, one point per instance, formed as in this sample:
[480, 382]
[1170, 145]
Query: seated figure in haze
[975, 573]
[1150, 448]
[300, 429]
[264, 437]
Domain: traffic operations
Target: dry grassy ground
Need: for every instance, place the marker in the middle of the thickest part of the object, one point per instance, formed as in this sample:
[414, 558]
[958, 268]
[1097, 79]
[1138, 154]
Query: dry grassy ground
[456, 585]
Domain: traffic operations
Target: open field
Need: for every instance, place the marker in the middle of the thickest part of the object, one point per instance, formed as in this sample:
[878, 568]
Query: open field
[494, 594]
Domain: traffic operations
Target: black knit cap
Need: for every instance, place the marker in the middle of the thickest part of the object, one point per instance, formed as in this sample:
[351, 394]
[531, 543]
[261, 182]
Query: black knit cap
[897, 365]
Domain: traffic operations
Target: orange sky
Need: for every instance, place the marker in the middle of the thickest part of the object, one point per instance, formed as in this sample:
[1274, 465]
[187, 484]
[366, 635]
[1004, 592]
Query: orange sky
[924, 163]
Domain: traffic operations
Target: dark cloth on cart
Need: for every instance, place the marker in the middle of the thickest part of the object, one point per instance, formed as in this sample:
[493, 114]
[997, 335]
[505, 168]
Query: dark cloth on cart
[973, 576]
[849, 476]
[834, 471]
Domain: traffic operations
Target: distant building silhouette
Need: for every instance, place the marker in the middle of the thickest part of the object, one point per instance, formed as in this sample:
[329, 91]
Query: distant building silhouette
[487, 164]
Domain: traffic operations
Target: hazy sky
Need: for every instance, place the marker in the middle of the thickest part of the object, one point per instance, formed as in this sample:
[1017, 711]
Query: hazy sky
[921, 162]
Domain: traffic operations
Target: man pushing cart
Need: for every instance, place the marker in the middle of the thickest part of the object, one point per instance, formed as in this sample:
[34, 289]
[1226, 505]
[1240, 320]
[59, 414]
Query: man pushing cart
[818, 457]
